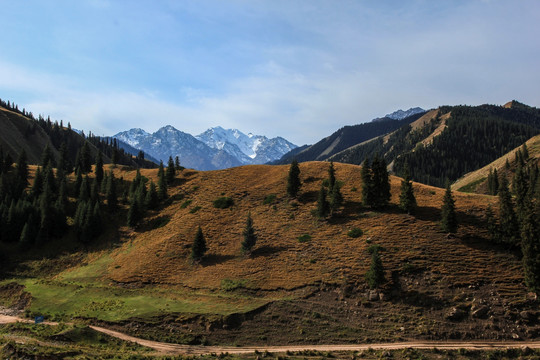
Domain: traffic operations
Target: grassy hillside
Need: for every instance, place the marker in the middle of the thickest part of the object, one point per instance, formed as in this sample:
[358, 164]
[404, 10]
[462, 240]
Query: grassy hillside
[476, 181]
[304, 282]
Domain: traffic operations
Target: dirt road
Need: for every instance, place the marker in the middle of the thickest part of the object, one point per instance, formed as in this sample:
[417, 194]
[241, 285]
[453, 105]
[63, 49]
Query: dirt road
[175, 349]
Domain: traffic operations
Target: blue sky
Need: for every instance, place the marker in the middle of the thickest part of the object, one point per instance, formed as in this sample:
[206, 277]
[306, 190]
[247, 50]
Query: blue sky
[298, 69]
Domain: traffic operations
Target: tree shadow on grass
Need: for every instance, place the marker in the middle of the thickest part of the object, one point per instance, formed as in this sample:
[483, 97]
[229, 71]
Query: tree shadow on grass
[215, 259]
[267, 250]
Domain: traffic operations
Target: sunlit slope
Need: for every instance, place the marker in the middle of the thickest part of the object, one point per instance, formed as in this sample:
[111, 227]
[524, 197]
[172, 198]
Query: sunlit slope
[476, 181]
[280, 260]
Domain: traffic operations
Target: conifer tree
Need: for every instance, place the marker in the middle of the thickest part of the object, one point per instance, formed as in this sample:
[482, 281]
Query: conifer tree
[331, 176]
[336, 198]
[152, 199]
[46, 157]
[367, 183]
[37, 186]
[250, 237]
[323, 207]
[381, 183]
[162, 184]
[407, 201]
[530, 248]
[110, 194]
[99, 167]
[293, 180]
[520, 188]
[134, 214]
[198, 249]
[448, 212]
[375, 274]
[171, 171]
[492, 225]
[508, 224]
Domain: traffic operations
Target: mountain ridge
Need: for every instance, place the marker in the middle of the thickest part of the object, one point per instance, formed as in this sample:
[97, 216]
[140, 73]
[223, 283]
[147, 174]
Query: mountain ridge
[215, 148]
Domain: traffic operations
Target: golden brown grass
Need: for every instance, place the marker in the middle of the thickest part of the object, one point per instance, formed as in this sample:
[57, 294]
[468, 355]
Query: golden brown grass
[280, 261]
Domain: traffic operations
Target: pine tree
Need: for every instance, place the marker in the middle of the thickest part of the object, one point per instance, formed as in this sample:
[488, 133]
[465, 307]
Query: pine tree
[110, 194]
[407, 201]
[99, 167]
[47, 157]
[37, 186]
[530, 247]
[152, 199]
[336, 198]
[508, 224]
[250, 237]
[293, 180]
[331, 176]
[448, 212]
[162, 184]
[134, 214]
[198, 249]
[375, 274]
[381, 183]
[520, 187]
[367, 183]
[171, 171]
[492, 225]
[323, 207]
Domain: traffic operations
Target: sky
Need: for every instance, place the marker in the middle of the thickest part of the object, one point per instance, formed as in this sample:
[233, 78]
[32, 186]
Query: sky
[297, 69]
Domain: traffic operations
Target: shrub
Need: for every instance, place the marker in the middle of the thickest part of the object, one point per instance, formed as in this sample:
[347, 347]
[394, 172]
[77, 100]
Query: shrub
[185, 204]
[223, 202]
[355, 232]
[304, 238]
[269, 199]
[194, 209]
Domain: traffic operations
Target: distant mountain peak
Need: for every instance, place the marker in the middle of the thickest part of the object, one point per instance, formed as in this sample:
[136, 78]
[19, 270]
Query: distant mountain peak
[400, 114]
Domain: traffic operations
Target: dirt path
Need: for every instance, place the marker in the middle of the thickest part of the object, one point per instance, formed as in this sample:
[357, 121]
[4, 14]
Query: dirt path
[175, 349]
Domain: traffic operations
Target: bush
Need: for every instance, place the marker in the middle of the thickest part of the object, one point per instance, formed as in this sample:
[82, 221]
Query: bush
[185, 204]
[304, 238]
[269, 199]
[223, 202]
[233, 284]
[194, 209]
[355, 232]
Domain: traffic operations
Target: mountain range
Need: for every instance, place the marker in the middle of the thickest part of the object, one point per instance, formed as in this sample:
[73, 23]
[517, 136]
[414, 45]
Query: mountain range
[216, 148]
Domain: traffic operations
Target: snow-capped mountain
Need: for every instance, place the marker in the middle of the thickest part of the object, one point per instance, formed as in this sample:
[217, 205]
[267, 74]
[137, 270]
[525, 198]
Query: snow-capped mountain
[216, 148]
[400, 114]
[249, 149]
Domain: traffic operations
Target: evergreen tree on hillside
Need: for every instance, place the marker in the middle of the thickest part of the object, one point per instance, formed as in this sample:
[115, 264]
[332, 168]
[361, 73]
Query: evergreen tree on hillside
[171, 171]
[375, 274]
[323, 207]
[448, 212]
[508, 224]
[152, 199]
[530, 248]
[381, 183]
[331, 176]
[293, 179]
[250, 237]
[367, 183]
[493, 182]
[47, 156]
[110, 194]
[99, 167]
[198, 248]
[407, 201]
[162, 184]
